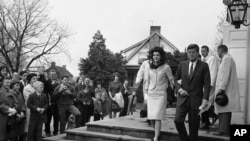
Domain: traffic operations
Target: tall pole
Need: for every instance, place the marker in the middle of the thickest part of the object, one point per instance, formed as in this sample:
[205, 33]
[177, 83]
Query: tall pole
[247, 96]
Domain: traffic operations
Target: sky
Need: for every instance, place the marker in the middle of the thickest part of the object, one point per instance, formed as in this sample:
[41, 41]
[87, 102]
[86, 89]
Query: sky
[126, 22]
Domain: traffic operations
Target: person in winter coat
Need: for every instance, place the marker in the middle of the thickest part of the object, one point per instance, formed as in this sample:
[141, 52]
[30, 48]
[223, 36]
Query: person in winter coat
[227, 81]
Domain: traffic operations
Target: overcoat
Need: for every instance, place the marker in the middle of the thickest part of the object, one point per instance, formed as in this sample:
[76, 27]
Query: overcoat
[227, 80]
[4, 108]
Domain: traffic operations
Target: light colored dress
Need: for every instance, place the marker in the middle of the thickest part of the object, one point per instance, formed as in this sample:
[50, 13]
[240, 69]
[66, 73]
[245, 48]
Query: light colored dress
[157, 91]
[27, 91]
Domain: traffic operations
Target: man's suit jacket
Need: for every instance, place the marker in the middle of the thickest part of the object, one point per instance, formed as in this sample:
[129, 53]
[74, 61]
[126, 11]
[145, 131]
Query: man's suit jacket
[198, 87]
[35, 102]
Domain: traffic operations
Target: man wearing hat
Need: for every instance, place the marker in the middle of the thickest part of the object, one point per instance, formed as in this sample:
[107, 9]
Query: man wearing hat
[227, 83]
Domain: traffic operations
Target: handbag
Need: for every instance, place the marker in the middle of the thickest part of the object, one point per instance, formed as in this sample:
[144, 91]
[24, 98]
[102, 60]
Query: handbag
[170, 94]
[114, 106]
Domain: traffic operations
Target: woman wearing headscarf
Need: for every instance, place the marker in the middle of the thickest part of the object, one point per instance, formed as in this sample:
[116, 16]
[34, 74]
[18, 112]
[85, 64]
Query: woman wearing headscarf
[29, 89]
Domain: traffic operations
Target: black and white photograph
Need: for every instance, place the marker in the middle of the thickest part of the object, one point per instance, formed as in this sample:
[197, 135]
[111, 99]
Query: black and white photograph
[124, 70]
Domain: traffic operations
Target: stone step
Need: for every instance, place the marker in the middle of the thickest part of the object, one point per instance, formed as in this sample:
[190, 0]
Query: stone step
[55, 138]
[60, 137]
[139, 128]
[82, 134]
[67, 140]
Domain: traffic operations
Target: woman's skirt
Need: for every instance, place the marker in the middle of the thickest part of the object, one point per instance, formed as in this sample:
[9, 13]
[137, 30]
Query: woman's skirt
[156, 104]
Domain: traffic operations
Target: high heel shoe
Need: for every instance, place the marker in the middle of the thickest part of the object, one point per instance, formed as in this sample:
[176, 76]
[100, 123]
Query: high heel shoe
[158, 138]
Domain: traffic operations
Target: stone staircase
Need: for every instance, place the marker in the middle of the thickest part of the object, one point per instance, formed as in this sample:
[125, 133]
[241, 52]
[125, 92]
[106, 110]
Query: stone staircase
[126, 129]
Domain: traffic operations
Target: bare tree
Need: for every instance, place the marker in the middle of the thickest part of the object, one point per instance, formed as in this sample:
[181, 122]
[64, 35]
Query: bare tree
[222, 22]
[27, 34]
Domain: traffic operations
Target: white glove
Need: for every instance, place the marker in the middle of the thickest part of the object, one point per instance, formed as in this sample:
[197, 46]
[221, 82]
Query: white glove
[204, 104]
[12, 110]
[179, 81]
[182, 92]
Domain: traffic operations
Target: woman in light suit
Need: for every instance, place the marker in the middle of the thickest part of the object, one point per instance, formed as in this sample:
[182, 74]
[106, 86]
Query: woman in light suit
[156, 86]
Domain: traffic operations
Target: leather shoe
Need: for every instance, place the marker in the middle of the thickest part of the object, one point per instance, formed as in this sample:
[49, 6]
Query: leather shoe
[220, 134]
[204, 126]
[55, 133]
[48, 135]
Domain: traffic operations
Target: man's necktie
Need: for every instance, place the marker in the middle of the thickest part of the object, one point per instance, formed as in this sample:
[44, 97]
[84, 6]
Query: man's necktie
[191, 71]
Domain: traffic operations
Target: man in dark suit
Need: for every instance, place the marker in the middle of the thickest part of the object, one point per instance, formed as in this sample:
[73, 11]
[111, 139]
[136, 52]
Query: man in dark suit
[37, 102]
[52, 110]
[193, 86]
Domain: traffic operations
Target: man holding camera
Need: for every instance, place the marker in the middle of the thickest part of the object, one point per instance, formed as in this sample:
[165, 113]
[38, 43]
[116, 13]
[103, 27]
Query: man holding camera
[64, 95]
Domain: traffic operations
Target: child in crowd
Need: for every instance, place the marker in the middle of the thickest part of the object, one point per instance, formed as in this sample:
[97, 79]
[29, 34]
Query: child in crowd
[71, 122]
[132, 103]
[97, 107]
[37, 102]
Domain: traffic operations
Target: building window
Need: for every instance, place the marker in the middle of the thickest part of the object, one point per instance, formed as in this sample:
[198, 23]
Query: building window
[131, 79]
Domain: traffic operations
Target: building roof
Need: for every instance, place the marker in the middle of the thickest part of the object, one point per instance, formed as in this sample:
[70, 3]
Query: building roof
[141, 44]
[133, 46]
[62, 70]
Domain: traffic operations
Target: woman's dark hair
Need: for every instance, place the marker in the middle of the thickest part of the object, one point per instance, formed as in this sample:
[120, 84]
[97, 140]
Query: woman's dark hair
[64, 76]
[98, 83]
[116, 74]
[30, 76]
[23, 72]
[13, 83]
[163, 56]
[78, 78]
